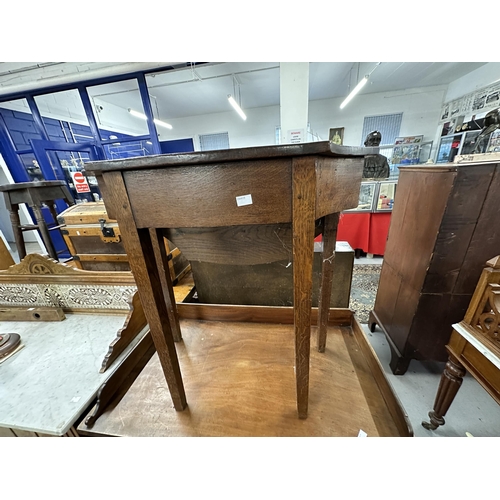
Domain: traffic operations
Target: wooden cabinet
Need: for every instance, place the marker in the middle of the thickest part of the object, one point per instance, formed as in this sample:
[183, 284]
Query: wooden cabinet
[444, 227]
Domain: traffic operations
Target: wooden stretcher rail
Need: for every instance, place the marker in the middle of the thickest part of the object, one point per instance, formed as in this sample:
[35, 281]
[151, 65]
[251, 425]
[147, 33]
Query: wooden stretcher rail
[257, 314]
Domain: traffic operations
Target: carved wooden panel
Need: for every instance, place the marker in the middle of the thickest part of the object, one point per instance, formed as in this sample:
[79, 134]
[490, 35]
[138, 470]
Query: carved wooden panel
[487, 318]
[38, 281]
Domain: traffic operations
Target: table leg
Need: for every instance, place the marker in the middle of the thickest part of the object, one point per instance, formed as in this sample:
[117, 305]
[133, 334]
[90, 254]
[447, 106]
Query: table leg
[42, 226]
[451, 380]
[160, 252]
[303, 212]
[53, 212]
[18, 234]
[327, 266]
[139, 247]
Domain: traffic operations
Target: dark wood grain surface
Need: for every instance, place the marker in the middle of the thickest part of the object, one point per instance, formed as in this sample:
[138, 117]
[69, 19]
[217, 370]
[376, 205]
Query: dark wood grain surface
[324, 148]
[205, 196]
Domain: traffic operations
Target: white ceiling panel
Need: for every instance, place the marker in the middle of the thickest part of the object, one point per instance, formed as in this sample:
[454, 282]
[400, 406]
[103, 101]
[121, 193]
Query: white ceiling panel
[203, 89]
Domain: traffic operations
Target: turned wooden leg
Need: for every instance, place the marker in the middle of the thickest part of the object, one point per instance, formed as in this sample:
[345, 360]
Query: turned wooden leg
[303, 211]
[451, 380]
[327, 267]
[42, 226]
[18, 234]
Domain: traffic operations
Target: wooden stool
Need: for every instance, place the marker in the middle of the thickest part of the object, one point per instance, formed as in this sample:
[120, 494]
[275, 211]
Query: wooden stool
[34, 194]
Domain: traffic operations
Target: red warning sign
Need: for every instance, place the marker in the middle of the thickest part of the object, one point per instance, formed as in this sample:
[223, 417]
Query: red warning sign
[80, 182]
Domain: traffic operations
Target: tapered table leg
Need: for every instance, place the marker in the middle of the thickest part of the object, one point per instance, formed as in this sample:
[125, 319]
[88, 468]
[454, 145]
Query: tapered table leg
[140, 250]
[303, 212]
[166, 281]
[327, 266]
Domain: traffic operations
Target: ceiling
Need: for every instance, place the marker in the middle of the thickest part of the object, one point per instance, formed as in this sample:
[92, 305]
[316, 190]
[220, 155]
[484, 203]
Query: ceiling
[203, 88]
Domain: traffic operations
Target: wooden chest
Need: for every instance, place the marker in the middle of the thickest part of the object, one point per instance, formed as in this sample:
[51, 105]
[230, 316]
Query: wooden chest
[95, 243]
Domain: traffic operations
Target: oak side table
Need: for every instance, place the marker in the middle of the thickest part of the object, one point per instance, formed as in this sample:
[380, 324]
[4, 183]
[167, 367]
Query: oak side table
[268, 185]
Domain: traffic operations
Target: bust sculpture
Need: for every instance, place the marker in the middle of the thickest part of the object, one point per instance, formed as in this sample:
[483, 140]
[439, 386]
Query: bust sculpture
[376, 166]
[491, 123]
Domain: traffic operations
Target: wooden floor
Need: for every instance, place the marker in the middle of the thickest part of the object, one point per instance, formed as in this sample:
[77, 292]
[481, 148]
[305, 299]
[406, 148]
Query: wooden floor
[239, 380]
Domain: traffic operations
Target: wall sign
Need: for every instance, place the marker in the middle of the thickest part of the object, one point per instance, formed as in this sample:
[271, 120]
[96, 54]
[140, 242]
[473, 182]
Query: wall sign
[80, 182]
[296, 136]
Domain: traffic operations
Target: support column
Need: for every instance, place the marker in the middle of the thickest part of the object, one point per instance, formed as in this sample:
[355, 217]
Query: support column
[294, 102]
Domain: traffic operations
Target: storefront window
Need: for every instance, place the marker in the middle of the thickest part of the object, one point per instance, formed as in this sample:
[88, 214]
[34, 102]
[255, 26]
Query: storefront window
[118, 109]
[31, 166]
[158, 89]
[64, 116]
[128, 149]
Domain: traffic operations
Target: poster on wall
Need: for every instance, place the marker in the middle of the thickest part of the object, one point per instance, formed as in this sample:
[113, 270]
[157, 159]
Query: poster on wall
[337, 135]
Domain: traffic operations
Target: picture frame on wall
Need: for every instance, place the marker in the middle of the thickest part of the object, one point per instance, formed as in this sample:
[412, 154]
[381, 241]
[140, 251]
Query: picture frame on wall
[336, 135]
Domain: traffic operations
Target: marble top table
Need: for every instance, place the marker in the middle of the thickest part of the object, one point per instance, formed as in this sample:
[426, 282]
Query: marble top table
[50, 382]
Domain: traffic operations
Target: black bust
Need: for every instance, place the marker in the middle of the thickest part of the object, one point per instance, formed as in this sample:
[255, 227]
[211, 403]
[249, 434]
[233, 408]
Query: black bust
[491, 123]
[376, 166]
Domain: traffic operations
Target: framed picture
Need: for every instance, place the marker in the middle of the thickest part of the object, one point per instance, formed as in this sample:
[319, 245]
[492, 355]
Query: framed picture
[385, 196]
[366, 201]
[337, 135]
[407, 151]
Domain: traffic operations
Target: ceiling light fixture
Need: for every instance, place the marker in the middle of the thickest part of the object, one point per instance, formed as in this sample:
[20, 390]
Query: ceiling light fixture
[235, 105]
[144, 117]
[357, 88]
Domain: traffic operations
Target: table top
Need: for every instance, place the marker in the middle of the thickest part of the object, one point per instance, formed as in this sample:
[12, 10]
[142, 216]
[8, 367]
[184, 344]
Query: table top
[323, 148]
[49, 383]
[34, 184]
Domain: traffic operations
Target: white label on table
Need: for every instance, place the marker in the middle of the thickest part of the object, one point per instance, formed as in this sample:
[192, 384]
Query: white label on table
[76, 399]
[246, 199]
[362, 433]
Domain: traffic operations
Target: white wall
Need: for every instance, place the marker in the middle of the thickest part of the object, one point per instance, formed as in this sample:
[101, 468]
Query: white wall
[420, 108]
[258, 129]
[481, 77]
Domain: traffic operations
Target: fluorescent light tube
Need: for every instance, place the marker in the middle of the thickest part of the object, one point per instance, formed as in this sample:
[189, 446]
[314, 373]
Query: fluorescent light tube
[144, 117]
[355, 90]
[234, 104]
